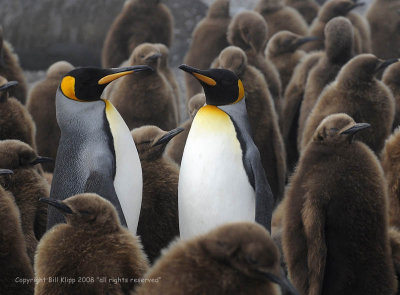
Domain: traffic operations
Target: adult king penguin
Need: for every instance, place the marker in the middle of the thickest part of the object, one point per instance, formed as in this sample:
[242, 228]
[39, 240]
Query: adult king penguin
[221, 178]
[96, 153]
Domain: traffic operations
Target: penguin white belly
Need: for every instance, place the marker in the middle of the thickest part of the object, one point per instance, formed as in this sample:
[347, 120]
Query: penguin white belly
[213, 185]
[128, 181]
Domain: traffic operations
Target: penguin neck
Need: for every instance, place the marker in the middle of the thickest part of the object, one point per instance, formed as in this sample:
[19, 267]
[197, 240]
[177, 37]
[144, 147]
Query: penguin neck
[238, 113]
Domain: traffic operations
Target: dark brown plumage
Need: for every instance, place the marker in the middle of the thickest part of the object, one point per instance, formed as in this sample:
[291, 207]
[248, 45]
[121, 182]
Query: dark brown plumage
[262, 117]
[338, 50]
[14, 260]
[280, 17]
[145, 98]
[359, 94]
[176, 146]
[236, 258]
[158, 221]
[335, 233]
[92, 245]
[15, 120]
[11, 70]
[391, 79]
[27, 187]
[41, 105]
[307, 8]
[208, 39]
[394, 235]
[384, 20]
[362, 29]
[140, 21]
[248, 30]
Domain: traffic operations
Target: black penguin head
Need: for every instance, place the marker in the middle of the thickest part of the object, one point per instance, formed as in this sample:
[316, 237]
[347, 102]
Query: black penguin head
[222, 87]
[5, 86]
[286, 42]
[337, 129]
[87, 211]
[87, 84]
[151, 141]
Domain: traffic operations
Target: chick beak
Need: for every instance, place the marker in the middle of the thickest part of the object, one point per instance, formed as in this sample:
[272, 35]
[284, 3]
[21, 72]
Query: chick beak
[8, 85]
[153, 57]
[40, 160]
[57, 204]
[286, 286]
[168, 136]
[6, 172]
[302, 41]
[385, 63]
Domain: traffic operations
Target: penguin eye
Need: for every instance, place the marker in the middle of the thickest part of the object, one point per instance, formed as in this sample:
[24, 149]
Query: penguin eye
[84, 212]
[251, 260]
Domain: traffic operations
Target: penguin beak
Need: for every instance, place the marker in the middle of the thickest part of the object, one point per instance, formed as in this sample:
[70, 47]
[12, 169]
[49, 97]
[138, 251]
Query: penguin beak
[153, 57]
[8, 85]
[356, 128]
[40, 160]
[287, 287]
[57, 204]
[167, 137]
[114, 74]
[6, 172]
[199, 75]
[357, 5]
[385, 63]
[304, 40]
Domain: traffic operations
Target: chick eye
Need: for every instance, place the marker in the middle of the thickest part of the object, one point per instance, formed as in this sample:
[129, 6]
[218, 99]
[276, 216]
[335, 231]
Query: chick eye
[251, 260]
[84, 212]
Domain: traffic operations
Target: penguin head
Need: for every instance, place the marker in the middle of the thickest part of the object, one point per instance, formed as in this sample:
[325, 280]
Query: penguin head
[222, 87]
[247, 248]
[337, 129]
[5, 86]
[87, 84]
[151, 141]
[269, 6]
[195, 103]
[391, 75]
[335, 8]
[219, 9]
[339, 38]
[89, 212]
[234, 59]
[146, 54]
[286, 42]
[164, 51]
[249, 31]
[58, 69]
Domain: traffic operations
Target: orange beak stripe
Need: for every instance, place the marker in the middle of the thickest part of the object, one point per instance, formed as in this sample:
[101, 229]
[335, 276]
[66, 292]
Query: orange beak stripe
[112, 77]
[205, 79]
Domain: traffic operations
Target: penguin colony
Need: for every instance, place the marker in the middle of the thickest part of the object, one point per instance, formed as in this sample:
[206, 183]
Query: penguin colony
[275, 170]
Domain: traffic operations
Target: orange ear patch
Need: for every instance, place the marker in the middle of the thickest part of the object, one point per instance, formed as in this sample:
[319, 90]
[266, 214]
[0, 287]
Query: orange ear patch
[205, 79]
[68, 87]
[241, 91]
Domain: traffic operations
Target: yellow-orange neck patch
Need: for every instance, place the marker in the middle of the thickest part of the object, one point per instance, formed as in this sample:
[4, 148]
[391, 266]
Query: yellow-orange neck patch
[241, 91]
[68, 87]
[205, 79]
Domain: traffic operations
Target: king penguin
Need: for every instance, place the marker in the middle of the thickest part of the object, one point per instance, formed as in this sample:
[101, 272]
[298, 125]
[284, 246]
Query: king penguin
[221, 178]
[96, 153]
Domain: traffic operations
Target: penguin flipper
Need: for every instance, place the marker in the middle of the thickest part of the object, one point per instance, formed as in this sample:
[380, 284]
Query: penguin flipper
[313, 217]
[102, 185]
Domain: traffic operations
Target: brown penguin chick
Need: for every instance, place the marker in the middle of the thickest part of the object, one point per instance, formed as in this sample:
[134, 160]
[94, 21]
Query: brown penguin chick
[359, 94]
[27, 186]
[262, 117]
[208, 39]
[328, 11]
[15, 120]
[394, 236]
[11, 70]
[41, 105]
[338, 51]
[307, 8]
[391, 79]
[280, 17]
[293, 98]
[176, 146]
[282, 51]
[169, 75]
[248, 30]
[92, 245]
[236, 258]
[140, 21]
[363, 30]
[336, 216]
[158, 221]
[384, 21]
[390, 160]
[145, 99]
[15, 264]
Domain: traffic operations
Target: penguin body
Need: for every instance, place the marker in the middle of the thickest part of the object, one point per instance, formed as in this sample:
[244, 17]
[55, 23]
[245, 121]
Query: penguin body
[158, 221]
[307, 8]
[391, 79]
[208, 39]
[14, 260]
[336, 216]
[363, 30]
[109, 257]
[280, 17]
[206, 264]
[394, 236]
[146, 99]
[338, 50]
[140, 21]
[41, 105]
[96, 151]
[262, 116]
[359, 94]
[221, 159]
[27, 186]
